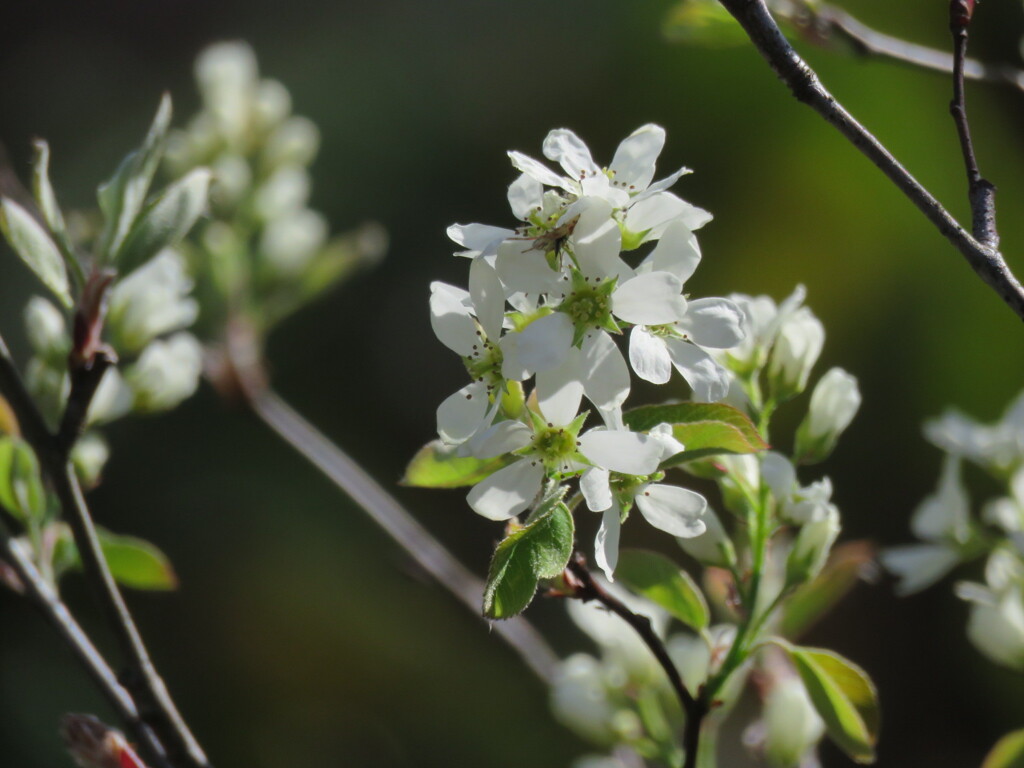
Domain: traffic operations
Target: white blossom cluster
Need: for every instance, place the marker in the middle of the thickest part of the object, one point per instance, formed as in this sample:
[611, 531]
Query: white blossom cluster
[536, 330]
[949, 534]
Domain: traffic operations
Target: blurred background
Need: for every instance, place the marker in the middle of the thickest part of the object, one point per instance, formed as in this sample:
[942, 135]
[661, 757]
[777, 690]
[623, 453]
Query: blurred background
[300, 635]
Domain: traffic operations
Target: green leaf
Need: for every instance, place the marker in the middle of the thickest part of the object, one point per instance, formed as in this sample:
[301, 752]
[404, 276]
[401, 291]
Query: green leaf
[1007, 753]
[165, 221]
[45, 196]
[703, 22]
[21, 486]
[133, 562]
[33, 245]
[844, 697]
[540, 550]
[661, 581]
[815, 599]
[705, 429]
[435, 465]
[123, 196]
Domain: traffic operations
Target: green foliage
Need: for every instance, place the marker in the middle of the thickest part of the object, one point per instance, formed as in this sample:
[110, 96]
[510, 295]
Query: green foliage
[539, 550]
[34, 246]
[47, 198]
[1007, 753]
[21, 486]
[816, 598]
[703, 22]
[844, 697]
[705, 429]
[435, 465]
[133, 562]
[661, 581]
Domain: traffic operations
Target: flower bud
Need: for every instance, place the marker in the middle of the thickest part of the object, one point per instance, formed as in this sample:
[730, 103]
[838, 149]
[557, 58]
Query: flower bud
[166, 373]
[89, 456]
[152, 301]
[296, 141]
[796, 349]
[811, 547]
[227, 75]
[834, 403]
[792, 726]
[996, 623]
[47, 331]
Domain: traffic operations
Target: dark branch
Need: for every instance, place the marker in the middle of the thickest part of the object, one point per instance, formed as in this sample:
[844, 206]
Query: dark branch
[585, 588]
[249, 380]
[985, 260]
[980, 192]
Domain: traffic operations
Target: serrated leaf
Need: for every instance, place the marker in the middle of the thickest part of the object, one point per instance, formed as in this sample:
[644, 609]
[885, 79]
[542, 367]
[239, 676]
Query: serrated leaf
[540, 550]
[1007, 753]
[21, 486]
[33, 245]
[844, 697]
[705, 429]
[123, 196]
[661, 581]
[813, 600]
[703, 22]
[165, 221]
[435, 465]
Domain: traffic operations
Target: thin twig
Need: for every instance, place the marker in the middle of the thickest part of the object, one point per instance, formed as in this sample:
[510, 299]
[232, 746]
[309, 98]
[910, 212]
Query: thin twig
[824, 24]
[148, 689]
[980, 191]
[44, 597]
[695, 708]
[348, 476]
[986, 261]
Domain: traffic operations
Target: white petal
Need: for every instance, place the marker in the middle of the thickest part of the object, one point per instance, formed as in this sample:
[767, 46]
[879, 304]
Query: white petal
[450, 318]
[634, 160]
[501, 438]
[541, 346]
[603, 371]
[671, 509]
[649, 356]
[664, 184]
[525, 195]
[559, 390]
[462, 413]
[478, 238]
[651, 299]
[918, 565]
[568, 150]
[537, 171]
[524, 269]
[606, 544]
[676, 252]
[716, 323]
[631, 453]
[708, 379]
[508, 491]
[488, 297]
[596, 489]
[656, 212]
[597, 242]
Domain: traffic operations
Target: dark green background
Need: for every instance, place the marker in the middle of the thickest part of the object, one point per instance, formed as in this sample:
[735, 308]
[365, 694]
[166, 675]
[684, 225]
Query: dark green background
[300, 636]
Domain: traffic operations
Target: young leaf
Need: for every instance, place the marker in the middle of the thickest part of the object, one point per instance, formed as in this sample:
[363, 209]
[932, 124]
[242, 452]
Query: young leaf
[844, 697]
[1007, 753]
[45, 196]
[122, 197]
[703, 22]
[21, 486]
[540, 550]
[704, 429]
[435, 465]
[661, 581]
[133, 562]
[165, 221]
[34, 246]
[813, 600]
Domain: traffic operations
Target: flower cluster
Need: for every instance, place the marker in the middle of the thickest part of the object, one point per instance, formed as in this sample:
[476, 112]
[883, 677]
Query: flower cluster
[537, 330]
[950, 535]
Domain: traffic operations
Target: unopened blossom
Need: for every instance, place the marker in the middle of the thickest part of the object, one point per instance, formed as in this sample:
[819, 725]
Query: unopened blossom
[167, 372]
[792, 725]
[795, 351]
[152, 301]
[763, 320]
[996, 623]
[834, 403]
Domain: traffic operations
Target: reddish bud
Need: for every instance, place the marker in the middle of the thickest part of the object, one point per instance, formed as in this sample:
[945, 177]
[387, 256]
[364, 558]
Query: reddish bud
[93, 745]
[960, 12]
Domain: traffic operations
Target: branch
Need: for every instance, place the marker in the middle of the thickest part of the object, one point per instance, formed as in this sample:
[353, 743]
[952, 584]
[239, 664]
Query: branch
[821, 24]
[586, 588]
[45, 598]
[149, 691]
[347, 475]
[985, 260]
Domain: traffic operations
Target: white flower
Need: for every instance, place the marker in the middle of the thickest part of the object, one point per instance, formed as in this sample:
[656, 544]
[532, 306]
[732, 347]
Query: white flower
[998, 448]
[834, 403]
[763, 319]
[151, 301]
[579, 698]
[792, 725]
[996, 623]
[167, 372]
[811, 547]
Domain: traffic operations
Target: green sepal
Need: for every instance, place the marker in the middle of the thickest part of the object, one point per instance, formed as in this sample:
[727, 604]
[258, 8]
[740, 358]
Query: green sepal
[21, 485]
[34, 246]
[844, 697]
[539, 550]
[1008, 752]
[436, 465]
[165, 221]
[632, 240]
[661, 581]
[133, 562]
[122, 197]
[705, 429]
